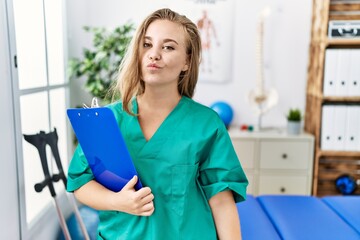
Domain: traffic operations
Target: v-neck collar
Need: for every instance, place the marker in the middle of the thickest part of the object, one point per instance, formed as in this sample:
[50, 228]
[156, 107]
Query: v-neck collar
[152, 146]
[163, 124]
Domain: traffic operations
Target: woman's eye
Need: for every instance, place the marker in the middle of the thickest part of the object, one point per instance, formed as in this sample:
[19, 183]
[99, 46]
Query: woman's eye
[168, 48]
[146, 45]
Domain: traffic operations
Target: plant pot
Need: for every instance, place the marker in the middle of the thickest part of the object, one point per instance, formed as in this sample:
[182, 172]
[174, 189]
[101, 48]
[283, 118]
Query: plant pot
[294, 127]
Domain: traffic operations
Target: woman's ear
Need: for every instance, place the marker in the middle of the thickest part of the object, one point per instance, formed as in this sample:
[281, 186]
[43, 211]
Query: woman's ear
[187, 63]
[185, 68]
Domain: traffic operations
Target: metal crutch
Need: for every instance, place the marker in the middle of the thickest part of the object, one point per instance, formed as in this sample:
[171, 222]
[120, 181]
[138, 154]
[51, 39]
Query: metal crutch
[51, 139]
[39, 142]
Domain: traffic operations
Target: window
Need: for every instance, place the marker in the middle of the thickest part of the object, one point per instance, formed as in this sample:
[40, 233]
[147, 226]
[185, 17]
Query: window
[42, 94]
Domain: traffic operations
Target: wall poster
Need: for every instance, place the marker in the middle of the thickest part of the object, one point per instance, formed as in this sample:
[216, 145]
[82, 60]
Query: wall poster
[215, 21]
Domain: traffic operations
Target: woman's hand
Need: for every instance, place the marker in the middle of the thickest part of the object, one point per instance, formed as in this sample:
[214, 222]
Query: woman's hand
[134, 202]
[127, 200]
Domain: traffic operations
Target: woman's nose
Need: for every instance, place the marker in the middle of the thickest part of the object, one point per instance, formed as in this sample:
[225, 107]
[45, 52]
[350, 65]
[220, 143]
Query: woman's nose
[154, 55]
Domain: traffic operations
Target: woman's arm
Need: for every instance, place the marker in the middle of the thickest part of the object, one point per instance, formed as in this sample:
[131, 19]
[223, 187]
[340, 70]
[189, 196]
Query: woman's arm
[127, 200]
[226, 217]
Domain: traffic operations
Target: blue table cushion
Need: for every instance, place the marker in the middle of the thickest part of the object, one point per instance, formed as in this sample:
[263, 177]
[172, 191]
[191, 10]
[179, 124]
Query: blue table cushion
[254, 223]
[347, 207]
[305, 218]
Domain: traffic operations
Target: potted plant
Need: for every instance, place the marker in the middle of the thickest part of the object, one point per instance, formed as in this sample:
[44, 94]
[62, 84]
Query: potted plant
[294, 121]
[99, 64]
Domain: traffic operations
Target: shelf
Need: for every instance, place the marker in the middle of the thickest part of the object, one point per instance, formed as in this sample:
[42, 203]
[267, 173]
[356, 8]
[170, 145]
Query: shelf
[341, 10]
[343, 42]
[341, 99]
[329, 165]
[333, 99]
[322, 153]
[340, 6]
[341, 16]
[339, 160]
[328, 188]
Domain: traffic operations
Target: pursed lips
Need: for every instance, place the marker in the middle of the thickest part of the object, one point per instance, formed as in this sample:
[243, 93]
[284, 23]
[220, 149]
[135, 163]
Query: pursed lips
[153, 66]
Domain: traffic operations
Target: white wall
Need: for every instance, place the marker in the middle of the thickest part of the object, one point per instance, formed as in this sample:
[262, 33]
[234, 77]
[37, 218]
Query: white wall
[9, 217]
[287, 36]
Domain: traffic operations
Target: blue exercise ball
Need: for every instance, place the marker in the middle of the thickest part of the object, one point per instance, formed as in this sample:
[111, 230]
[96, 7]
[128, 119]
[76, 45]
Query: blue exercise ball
[224, 110]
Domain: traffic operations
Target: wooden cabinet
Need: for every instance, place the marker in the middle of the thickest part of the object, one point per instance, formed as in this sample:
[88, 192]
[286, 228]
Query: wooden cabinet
[275, 163]
[328, 165]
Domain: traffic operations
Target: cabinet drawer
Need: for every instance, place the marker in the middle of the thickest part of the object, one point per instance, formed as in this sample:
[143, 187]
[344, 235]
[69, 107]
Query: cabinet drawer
[245, 150]
[284, 155]
[283, 185]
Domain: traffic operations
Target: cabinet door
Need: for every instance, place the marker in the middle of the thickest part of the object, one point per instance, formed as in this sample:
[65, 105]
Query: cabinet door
[276, 184]
[284, 155]
[245, 150]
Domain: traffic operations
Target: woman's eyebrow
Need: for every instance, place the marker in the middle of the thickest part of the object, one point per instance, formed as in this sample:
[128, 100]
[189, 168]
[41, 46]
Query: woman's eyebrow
[170, 40]
[166, 40]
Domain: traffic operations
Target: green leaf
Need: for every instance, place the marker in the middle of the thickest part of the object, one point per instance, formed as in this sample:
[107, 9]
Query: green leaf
[99, 64]
[294, 115]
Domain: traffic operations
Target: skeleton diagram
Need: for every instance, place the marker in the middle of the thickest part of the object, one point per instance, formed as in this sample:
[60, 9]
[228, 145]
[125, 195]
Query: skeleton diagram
[208, 34]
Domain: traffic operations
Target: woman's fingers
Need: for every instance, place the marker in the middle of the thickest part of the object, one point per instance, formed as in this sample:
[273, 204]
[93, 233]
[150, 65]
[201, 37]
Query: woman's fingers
[148, 209]
[143, 192]
[138, 202]
[131, 184]
[147, 199]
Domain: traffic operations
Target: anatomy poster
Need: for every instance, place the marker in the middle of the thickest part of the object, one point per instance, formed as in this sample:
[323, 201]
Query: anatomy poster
[214, 19]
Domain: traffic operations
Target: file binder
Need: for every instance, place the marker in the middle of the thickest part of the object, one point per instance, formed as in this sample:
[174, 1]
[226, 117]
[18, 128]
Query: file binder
[352, 128]
[339, 127]
[327, 127]
[342, 72]
[104, 147]
[330, 72]
[354, 74]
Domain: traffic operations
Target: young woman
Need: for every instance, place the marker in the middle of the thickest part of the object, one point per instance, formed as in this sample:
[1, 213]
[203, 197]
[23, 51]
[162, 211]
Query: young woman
[180, 148]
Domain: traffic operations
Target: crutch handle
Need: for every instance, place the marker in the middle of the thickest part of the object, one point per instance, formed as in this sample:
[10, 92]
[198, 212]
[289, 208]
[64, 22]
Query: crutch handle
[56, 177]
[47, 182]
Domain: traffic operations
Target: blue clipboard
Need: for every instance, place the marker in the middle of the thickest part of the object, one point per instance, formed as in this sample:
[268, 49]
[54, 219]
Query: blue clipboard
[104, 147]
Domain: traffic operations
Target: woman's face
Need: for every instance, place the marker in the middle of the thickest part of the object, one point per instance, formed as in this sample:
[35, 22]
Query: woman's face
[163, 54]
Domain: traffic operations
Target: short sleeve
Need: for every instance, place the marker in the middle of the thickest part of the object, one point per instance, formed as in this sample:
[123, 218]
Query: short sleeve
[79, 172]
[222, 170]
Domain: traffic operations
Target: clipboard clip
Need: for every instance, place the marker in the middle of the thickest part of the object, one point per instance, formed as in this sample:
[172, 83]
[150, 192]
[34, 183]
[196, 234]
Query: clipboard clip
[94, 103]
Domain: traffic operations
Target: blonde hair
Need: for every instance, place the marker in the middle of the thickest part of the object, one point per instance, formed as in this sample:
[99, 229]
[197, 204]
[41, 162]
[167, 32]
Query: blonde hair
[129, 83]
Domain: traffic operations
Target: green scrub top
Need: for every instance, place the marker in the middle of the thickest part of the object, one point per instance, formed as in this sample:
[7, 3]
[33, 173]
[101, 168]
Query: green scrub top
[188, 160]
